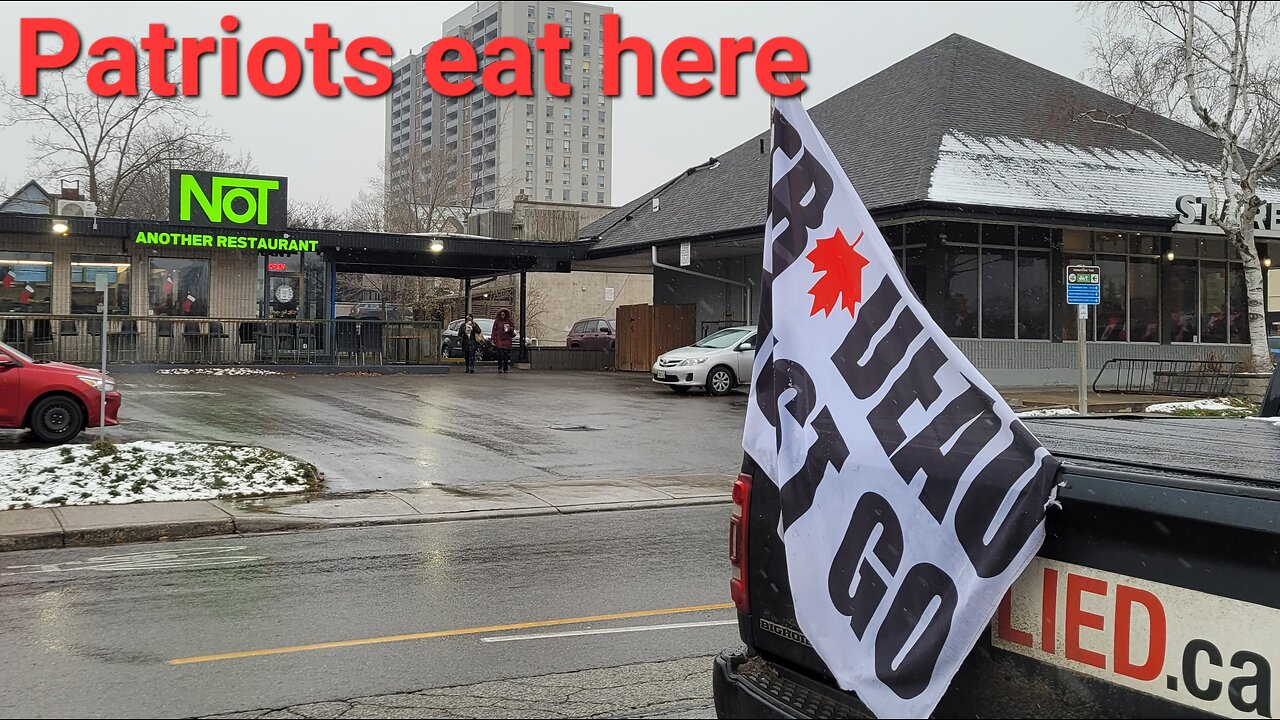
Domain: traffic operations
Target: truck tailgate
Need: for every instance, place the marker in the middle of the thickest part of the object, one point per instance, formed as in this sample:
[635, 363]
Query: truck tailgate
[1156, 591]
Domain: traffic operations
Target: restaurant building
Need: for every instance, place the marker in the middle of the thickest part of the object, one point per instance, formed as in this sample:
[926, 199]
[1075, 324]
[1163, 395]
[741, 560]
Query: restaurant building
[225, 256]
[986, 180]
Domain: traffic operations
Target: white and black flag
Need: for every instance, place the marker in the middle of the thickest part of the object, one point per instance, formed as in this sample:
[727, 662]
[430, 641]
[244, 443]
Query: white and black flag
[912, 495]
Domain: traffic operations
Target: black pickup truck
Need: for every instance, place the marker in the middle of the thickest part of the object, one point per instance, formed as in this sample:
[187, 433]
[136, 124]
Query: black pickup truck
[1156, 592]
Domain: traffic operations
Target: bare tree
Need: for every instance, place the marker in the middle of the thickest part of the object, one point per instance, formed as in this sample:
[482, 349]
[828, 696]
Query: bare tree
[1213, 65]
[316, 215]
[113, 145]
[148, 197]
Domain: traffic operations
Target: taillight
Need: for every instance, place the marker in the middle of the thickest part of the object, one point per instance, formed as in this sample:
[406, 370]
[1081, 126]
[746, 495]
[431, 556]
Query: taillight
[738, 542]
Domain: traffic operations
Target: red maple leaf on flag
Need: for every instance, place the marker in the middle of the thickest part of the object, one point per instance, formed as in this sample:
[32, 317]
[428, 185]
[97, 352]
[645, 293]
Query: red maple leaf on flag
[841, 267]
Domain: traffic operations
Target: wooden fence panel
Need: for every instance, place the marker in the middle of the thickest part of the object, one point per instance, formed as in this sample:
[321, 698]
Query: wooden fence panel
[647, 331]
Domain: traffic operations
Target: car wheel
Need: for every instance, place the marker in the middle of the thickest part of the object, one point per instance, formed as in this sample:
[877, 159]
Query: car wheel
[445, 351]
[573, 345]
[680, 389]
[720, 380]
[56, 419]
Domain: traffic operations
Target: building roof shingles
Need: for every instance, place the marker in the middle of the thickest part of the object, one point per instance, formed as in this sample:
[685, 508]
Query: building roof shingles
[957, 122]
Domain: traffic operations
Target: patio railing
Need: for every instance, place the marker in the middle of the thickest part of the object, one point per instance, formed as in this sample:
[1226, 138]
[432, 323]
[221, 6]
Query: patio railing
[214, 341]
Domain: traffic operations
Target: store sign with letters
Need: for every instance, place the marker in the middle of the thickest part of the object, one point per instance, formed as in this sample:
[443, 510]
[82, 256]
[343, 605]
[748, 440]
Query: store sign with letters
[179, 237]
[1195, 216]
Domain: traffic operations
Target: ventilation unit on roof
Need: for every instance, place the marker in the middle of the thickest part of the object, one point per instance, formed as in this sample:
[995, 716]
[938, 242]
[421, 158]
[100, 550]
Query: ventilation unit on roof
[75, 208]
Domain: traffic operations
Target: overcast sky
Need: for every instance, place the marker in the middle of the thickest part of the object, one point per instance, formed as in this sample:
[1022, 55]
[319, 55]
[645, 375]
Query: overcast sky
[328, 148]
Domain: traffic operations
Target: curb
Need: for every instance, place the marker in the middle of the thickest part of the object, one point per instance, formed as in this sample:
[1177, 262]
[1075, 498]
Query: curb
[265, 523]
[393, 369]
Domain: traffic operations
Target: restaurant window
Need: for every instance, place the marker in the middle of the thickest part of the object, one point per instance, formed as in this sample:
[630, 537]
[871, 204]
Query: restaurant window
[179, 286]
[85, 271]
[1207, 301]
[26, 282]
[1144, 298]
[1213, 302]
[998, 280]
[1077, 241]
[1129, 310]
[1112, 315]
[1184, 316]
[1239, 304]
[1033, 294]
[961, 318]
[916, 267]
[998, 286]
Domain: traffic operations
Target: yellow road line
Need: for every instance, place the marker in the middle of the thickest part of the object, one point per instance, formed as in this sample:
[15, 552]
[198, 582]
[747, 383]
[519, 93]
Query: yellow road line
[445, 633]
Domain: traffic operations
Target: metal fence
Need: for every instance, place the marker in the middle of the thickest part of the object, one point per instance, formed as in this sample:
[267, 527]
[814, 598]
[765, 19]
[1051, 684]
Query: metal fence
[193, 341]
[1146, 376]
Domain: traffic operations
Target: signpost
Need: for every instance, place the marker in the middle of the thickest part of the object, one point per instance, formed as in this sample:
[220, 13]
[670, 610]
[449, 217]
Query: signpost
[1084, 288]
[100, 284]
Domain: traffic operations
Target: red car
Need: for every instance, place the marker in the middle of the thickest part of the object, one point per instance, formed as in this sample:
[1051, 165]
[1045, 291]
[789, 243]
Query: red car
[593, 333]
[55, 400]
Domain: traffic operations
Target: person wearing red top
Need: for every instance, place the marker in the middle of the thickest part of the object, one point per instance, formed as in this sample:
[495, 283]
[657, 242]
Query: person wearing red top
[503, 333]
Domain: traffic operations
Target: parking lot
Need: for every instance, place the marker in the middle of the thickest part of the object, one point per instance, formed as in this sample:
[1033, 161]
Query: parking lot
[369, 432]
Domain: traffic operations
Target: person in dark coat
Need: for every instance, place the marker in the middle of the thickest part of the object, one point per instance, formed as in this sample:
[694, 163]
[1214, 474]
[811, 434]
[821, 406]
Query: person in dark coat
[503, 334]
[470, 335]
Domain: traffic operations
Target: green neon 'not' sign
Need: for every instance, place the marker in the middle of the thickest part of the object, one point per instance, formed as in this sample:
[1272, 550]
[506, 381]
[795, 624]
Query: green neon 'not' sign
[216, 199]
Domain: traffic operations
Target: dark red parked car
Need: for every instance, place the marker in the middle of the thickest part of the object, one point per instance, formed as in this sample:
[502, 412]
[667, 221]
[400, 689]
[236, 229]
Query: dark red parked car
[593, 333]
[55, 400]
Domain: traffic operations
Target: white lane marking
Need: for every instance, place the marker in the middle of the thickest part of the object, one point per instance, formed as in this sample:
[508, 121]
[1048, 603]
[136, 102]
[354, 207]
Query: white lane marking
[609, 631]
[144, 560]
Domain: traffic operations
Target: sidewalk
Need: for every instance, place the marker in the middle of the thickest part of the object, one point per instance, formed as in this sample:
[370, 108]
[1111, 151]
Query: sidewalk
[82, 525]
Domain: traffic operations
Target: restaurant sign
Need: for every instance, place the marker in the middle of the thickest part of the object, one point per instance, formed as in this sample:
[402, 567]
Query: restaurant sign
[1194, 215]
[179, 238]
[227, 200]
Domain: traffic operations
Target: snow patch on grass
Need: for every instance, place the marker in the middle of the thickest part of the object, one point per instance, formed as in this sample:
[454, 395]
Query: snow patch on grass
[103, 473]
[1048, 412]
[1208, 407]
[218, 371]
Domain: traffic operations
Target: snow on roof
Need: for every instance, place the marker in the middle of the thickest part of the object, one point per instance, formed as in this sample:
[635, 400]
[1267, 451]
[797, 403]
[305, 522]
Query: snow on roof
[1039, 175]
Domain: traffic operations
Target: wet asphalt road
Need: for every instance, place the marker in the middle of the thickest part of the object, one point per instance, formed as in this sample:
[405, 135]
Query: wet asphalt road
[88, 637]
[403, 431]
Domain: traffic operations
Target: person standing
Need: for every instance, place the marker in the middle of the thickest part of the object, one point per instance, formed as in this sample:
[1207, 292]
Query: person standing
[470, 335]
[503, 333]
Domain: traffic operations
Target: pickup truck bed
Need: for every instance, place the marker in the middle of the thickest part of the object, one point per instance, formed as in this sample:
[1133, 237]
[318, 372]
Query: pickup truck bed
[1183, 510]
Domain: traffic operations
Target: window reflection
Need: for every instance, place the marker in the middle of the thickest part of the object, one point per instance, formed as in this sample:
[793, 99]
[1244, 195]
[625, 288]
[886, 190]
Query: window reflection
[26, 282]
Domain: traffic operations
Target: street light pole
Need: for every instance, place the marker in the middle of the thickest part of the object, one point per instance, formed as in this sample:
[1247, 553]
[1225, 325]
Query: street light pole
[100, 281]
